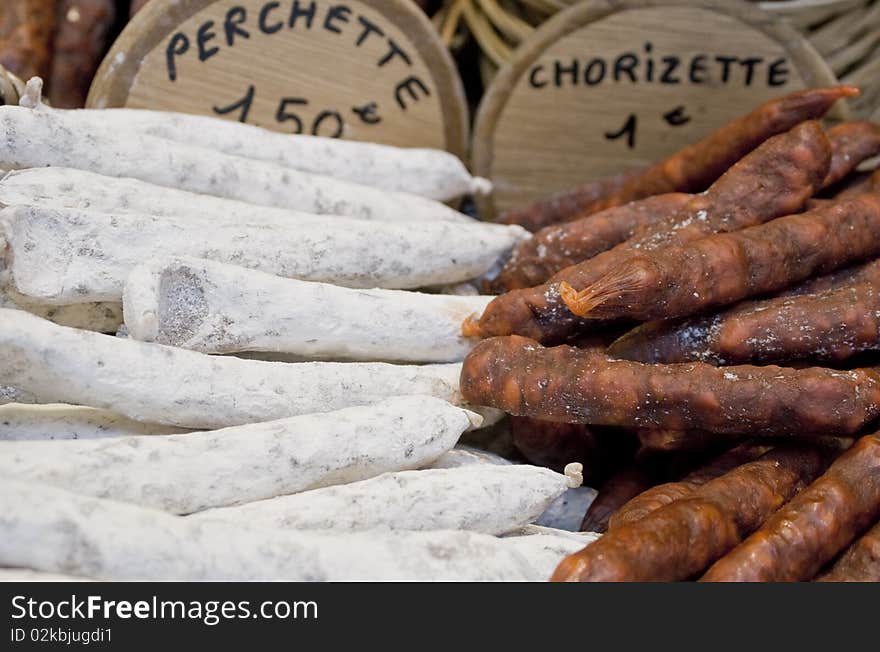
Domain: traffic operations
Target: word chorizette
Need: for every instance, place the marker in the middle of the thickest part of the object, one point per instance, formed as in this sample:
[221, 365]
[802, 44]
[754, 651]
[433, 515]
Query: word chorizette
[647, 67]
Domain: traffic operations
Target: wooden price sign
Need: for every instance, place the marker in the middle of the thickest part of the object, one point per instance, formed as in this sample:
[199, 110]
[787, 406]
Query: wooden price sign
[609, 86]
[360, 69]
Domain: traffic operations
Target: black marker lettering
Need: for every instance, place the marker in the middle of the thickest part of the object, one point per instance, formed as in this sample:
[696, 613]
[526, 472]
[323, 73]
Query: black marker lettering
[297, 11]
[244, 105]
[649, 64]
[670, 64]
[177, 45]
[336, 12]
[628, 129]
[368, 113]
[725, 67]
[777, 73]
[597, 67]
[284, 114]
[534, 82]
[407, 84]
[697, 72]
[265, 27]
[203, 35]
[369, 27]
[232, 25]
[676, 117]
[626, 63]
[749, 64]
[394, 50]
[324, 115]
[559, 70]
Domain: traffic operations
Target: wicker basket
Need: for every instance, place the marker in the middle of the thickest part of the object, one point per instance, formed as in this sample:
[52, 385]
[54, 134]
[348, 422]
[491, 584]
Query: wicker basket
[845, 32]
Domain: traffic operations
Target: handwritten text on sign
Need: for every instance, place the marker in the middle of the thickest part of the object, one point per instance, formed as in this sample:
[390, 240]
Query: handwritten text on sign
[323, 68]
[623, 90]
[646, 67]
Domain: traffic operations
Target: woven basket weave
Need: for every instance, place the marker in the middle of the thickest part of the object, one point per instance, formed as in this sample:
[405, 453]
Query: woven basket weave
[845, 32]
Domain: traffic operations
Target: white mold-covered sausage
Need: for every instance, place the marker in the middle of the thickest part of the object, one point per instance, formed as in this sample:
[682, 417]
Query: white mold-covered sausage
[52, 530]
[42, 137]
[56, 187]
[492, 499]
[463, 455]
[20, 422]
[420, 171]
[218, 308]
[67, 255]
[162, 384]
[188, 473]
[101, 317]
[9, 394]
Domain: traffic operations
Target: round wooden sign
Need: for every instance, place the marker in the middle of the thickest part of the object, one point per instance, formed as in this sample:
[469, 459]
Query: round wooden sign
[609, 86]
[361, 69]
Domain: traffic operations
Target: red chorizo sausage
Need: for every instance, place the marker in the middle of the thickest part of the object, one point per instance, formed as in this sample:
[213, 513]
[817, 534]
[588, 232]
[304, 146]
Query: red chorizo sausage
[664, 494]
[619, 489]
[554, 445]
[521, 377]
[563, 206]
[851, 144]
[679, 540]
[724, 268]
[815, 526]
[26, 36]
[558, 246]
[832, 324]
[776, 179]
[860, 562]
[83, 29]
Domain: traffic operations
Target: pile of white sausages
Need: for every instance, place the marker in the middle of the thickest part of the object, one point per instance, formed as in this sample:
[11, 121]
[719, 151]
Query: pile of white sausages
[232, 354]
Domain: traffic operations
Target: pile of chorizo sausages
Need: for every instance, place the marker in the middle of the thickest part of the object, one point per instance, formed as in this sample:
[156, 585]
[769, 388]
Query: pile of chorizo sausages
[718, 311]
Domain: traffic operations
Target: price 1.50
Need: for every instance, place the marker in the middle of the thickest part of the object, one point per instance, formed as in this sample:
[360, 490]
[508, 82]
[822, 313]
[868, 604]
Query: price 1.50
[327, 122]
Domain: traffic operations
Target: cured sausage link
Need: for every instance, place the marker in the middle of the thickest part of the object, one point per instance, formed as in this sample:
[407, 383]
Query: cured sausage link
[724, 268]
[816, 525]
[832, 324]
[664, 494]
[851, 144]
[681, 539]
[860, 563]
[523, 378]
[558, 246]
[776, 179]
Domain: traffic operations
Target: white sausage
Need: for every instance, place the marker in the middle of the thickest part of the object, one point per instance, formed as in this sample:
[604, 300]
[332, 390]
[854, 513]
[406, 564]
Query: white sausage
[52, 530]
[218, 308]
[57, 187]
[162, 384]
[42, 137]
[48, 422]
[421, 171]
[490, 499]
[69, 256]
[191, 472]
[101, 317]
